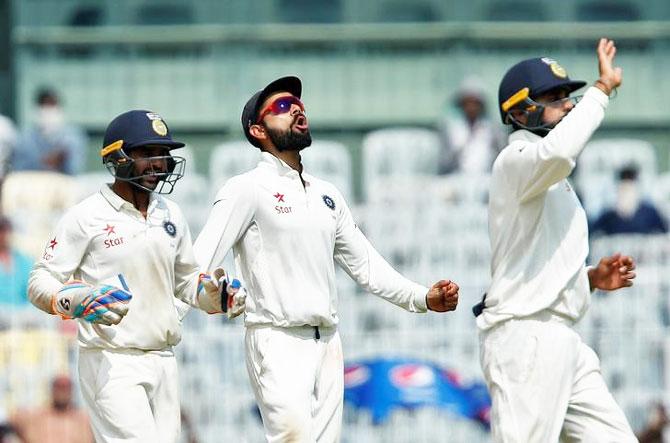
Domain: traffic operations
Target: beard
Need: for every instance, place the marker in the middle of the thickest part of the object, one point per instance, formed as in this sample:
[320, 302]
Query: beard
[289, 140]
[61, 405]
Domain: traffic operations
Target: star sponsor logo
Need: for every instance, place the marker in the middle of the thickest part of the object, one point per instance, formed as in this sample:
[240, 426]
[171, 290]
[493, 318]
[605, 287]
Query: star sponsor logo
[111, 242]
[49, 249]
[111, 238]
[283, 209]
[109, 229]
[279, 209]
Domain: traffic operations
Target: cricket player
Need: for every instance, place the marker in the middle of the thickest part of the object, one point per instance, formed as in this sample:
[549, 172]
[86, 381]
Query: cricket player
[287, 229]
[116, 262]
[545, 383]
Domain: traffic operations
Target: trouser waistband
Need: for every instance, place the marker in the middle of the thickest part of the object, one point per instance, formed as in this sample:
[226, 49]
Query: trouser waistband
[305, 331]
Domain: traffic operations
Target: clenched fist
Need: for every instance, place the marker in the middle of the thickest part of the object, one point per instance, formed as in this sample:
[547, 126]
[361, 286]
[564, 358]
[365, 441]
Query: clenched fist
[442, 296]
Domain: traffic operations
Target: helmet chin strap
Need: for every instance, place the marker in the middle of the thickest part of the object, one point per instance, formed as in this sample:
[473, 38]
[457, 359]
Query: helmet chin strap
[534, 122]
[534, 112]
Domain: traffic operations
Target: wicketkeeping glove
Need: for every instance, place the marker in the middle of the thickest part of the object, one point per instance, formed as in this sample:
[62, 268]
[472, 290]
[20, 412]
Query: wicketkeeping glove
[103, 304]
[217, 294]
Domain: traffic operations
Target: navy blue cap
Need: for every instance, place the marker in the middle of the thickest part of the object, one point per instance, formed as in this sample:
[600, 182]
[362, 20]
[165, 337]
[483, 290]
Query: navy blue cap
[138, 128]
[539, 75]
[289, 84]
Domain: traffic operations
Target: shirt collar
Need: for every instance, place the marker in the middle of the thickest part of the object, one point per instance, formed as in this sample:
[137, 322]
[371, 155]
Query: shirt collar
[279, 165]
[117, 202]
[524, 135]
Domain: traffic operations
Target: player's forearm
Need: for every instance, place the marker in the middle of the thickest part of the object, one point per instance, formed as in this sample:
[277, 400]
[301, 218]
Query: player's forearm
[570, 136]
[42, 287]
[187, 291]
[538, 166]
[369, 269]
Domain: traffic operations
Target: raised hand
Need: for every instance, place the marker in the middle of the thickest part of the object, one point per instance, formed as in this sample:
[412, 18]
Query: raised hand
[610, 76]
[103, 304]
[612, 273]
[442, 296]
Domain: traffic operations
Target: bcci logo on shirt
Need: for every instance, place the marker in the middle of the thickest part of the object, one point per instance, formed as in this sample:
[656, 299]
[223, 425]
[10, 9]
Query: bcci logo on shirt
[328, 201]
[170, 228]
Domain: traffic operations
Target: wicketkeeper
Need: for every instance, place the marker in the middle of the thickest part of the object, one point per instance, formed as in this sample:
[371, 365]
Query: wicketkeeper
[115, 263]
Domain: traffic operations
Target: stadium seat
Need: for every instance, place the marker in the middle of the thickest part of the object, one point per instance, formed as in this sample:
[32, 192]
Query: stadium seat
[90, 182]
[229, 159]
[661, 192]
[465, 188]
[192, 194]
[607, 11]
[599, 163]
[87, 15]
[330, 161]
[310, 11]
[29, 357]
[34, 201]
[398, 154]
[163, 13]
[187, 153]
[516, 11]
[415, 11]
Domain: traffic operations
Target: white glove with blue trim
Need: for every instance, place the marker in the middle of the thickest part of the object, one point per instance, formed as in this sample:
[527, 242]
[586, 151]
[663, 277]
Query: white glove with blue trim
[103, 304]
[217, 294]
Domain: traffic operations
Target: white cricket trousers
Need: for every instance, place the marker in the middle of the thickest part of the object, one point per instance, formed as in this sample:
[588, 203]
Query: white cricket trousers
[297, 376]
[131, 395]
[546, 385]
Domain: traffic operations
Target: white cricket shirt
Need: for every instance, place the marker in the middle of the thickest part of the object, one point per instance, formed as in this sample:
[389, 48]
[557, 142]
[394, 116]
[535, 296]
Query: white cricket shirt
[537, 226]
[104, 236]
[286, 238]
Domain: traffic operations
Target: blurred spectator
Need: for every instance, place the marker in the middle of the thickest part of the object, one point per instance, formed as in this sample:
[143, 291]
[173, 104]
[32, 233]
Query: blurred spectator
[59, 422]
[631, 213]
[471, 140]
[187, 428]
[7, 434]
[51, 144]
[14, 269]
[658, 420]
[8, 138]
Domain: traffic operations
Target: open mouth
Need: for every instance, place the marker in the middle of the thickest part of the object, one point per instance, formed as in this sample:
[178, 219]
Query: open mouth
[300, 123]
[152, 177]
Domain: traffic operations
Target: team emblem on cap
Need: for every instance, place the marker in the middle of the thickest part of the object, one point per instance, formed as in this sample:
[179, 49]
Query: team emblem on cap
[557, 69]
[157, 124]
[170, 228]
[159, 127]
[328, 201]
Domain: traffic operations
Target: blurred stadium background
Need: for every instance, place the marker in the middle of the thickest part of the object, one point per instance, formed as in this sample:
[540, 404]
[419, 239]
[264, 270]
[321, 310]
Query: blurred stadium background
[377, 76]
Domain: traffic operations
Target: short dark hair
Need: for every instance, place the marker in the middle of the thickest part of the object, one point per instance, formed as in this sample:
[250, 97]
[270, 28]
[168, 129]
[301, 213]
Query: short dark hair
[5, 223]
[46, 96]
[628, 172]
